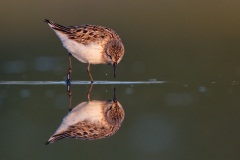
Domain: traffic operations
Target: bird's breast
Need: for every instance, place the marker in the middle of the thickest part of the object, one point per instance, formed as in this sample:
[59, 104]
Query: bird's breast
[90, 53]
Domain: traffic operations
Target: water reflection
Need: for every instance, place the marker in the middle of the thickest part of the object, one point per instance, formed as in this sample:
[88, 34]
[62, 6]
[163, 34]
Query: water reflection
[91, 120]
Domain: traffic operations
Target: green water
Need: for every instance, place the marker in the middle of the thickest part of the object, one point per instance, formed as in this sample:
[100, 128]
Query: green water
[192, 45]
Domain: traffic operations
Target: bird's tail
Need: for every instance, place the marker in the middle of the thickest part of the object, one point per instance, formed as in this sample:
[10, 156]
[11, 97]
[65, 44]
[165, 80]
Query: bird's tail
[57, 137]
[54, 139]
[56, 26]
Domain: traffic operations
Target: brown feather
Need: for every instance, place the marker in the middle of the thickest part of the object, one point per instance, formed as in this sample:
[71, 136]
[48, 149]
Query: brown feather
[86, 34]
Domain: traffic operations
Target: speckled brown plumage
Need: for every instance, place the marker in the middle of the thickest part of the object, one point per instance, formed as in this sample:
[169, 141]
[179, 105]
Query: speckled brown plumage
[91, 44]
[112, 118]
[86, 34]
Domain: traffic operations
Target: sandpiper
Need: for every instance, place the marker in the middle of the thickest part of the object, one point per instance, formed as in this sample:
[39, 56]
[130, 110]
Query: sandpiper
[90, 44]
[90, 121]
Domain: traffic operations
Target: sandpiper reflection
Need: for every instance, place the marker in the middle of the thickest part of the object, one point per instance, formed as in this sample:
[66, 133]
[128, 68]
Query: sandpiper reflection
[91, 120]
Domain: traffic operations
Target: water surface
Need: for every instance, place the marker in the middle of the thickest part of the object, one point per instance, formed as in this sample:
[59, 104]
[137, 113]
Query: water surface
[178, 81]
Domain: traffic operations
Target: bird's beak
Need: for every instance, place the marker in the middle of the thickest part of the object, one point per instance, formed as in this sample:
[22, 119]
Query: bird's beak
[114, 68]
[114, 95]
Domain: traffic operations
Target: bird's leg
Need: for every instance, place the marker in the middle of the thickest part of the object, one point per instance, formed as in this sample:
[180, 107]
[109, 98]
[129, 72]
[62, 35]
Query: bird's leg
[69, 93]
[70, 65]
[68, 81]
[89, 92]
[70, 101]
[89, 73]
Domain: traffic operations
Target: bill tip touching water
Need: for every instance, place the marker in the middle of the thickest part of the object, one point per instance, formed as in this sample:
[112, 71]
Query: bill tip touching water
[91, 44]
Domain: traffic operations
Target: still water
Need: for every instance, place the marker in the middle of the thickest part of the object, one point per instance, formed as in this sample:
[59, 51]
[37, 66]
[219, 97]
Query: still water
[178, 82]
[167, 120]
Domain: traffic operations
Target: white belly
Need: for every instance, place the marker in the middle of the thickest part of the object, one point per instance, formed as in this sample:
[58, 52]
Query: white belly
[91, 53]
[90, 111]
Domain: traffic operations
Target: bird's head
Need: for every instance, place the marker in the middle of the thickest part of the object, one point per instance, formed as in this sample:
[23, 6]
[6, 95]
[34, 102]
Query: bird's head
[114, 51]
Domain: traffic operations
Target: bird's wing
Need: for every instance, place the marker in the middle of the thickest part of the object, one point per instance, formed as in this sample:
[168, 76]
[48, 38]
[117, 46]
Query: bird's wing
[85, 34]
[84, 130]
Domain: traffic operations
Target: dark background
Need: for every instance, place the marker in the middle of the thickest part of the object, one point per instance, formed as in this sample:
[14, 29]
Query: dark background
[194, 45]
